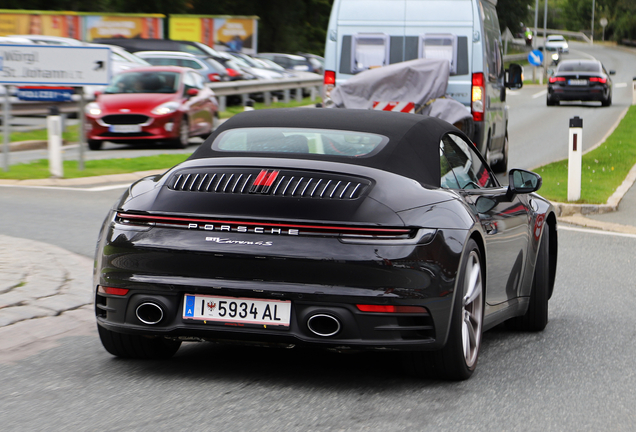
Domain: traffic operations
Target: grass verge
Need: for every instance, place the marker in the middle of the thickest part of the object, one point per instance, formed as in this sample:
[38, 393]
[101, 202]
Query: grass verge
[40, 169]
[71, 135]
[603, 169]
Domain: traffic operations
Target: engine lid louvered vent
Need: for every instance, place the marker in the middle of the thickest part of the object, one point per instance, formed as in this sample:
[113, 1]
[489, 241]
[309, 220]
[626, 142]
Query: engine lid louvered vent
[272, 182]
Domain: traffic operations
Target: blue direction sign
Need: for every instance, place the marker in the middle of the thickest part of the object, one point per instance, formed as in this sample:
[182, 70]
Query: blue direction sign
[52, 94]
[535, 58]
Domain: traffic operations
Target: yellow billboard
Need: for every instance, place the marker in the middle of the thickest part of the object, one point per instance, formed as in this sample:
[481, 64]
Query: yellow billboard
[119, 26]
[220, 32]
[64, 24]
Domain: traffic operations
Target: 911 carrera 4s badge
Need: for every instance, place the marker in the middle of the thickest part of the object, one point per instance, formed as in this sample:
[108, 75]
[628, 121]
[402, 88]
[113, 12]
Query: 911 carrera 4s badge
[238, 242]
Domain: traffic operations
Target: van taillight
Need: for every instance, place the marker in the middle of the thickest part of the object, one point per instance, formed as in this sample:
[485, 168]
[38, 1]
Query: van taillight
[330, 78]
[329, 82]
[477, 98]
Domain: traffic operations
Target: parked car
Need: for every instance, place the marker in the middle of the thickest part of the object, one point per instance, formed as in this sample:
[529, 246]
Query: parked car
[51, 40]
[210, 69]
[343, 229]
[556, 43]
[156, 103]
[139, 44]
[317, 61]
[292, 62]
[252, 68]
[580, 80]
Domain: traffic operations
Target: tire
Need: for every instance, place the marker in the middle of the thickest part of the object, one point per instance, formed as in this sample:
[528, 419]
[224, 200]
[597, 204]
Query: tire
[501, 166]
[182, 140]
[536, 317]
[94, 144]
[551, 102]
[607, 102]
[136, 346]
[457, 360]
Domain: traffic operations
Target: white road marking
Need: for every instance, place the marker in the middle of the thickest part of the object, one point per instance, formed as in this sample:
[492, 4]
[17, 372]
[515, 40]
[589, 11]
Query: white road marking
[620, 85]
[541, 93]
[594, 231]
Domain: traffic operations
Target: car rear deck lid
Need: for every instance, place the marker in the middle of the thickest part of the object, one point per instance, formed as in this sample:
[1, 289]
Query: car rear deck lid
[270, 181]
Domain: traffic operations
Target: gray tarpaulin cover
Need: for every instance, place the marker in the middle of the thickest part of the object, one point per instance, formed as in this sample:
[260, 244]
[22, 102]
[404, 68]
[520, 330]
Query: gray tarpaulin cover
[421, 81]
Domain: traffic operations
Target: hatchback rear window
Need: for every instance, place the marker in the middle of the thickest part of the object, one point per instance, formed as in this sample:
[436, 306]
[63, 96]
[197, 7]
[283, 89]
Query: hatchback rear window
[300, 140]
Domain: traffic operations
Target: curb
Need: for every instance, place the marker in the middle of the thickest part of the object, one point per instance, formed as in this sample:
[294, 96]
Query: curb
[566, 209]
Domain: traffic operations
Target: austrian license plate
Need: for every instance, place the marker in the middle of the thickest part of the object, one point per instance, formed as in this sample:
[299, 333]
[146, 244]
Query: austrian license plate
[577, 82]
[237, 310]
[124, 128]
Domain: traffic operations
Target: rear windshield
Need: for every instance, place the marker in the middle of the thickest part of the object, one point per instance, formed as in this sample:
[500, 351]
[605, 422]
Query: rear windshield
[580, 67]
[298, 140]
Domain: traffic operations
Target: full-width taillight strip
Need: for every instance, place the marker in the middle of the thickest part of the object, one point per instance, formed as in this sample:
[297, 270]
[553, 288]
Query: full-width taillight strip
[314, 228]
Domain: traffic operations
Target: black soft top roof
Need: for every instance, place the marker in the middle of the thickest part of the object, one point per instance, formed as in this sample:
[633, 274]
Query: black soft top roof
[412, 150]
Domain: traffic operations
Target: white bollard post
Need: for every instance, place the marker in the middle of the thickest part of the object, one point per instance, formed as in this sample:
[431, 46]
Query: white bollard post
[634, 91]
[54, 126]
[575, 155]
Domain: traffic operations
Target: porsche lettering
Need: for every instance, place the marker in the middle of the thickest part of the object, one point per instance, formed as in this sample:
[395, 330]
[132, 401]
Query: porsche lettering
[244, 229]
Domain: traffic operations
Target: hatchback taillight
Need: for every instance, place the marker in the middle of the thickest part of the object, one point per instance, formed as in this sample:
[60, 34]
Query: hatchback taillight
[214, 77]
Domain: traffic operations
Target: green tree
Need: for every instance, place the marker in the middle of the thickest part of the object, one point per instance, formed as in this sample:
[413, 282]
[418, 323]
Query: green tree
[512, 13]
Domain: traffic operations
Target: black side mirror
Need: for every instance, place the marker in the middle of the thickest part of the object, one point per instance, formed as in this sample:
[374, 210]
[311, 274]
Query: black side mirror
[522, 182]
[514, 76]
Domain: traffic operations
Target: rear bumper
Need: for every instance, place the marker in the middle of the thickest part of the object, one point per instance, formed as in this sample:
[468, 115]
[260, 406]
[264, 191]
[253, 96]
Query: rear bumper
[574, 94]
[332, 282]
[357, 330]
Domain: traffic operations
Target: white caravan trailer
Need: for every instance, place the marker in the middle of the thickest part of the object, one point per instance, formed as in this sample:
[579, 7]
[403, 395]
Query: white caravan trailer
[365, 34]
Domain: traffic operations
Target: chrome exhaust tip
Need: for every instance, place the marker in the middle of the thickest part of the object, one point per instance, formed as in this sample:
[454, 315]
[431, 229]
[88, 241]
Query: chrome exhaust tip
[149, 313]
[323, 325]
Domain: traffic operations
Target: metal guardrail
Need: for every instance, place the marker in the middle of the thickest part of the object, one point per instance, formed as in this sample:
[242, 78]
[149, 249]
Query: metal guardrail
[242, 88]
[266, 87]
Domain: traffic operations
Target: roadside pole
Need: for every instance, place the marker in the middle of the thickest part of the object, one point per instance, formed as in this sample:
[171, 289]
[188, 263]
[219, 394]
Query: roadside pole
[575, 157]
[54, 129]
[6, 121]
[82, 130]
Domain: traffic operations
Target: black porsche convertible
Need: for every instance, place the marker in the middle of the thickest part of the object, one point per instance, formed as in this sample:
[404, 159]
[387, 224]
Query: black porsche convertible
[342, 229]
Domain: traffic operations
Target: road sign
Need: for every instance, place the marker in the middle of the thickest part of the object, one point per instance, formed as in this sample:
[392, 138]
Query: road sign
[535, 58]
[54, 65]
[42, 93]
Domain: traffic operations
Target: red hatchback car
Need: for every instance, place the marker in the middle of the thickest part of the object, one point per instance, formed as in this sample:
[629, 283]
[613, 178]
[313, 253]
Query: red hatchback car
[154, 103]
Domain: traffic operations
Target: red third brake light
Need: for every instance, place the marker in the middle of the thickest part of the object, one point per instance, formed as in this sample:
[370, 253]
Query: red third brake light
[477, 97]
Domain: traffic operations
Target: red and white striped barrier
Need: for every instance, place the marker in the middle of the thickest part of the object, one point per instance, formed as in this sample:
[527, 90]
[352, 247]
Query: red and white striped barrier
[405, 107]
